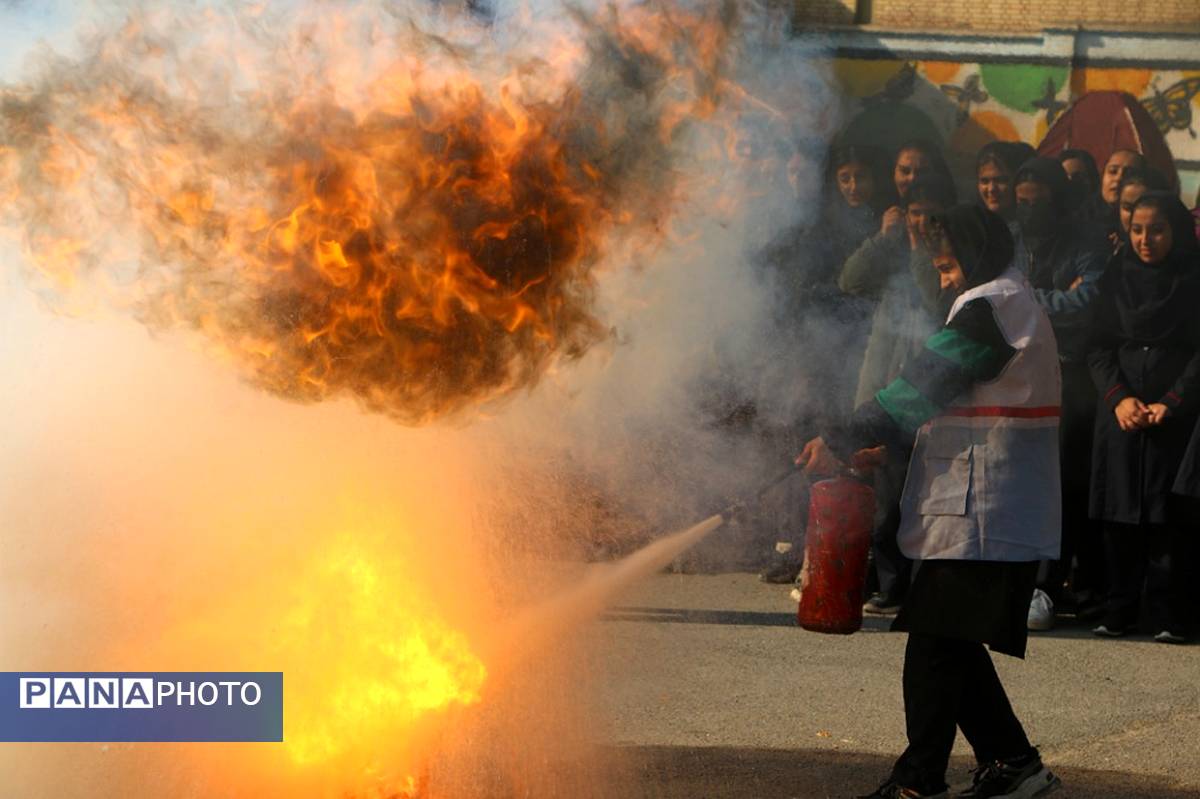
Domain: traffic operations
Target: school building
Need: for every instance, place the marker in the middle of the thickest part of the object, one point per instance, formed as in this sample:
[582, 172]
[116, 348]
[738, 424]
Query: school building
[966, 71]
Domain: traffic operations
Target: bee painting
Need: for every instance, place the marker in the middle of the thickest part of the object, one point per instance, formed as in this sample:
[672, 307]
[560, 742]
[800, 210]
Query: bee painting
[1172, 109]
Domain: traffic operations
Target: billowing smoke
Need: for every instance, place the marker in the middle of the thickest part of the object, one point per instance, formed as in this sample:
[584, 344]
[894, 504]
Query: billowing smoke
[359, 199]
[539, 223]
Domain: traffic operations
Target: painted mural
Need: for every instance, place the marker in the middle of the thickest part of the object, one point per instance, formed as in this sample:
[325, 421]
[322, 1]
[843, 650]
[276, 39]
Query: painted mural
[965, 105]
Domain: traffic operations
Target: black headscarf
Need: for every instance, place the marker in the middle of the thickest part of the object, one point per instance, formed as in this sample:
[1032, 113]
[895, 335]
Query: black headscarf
[980, 240]
[1008, 154]
[1154, 303]
[1049, 173]
[1089, 166]
[1083, 196]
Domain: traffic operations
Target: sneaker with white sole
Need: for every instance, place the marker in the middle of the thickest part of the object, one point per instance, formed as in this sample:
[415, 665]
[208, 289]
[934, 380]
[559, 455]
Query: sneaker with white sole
[1025, 778]
[1041, 612]
[1168, 637]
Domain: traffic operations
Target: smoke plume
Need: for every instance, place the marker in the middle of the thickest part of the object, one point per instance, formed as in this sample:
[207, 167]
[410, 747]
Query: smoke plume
[537, 222]
[344, 201]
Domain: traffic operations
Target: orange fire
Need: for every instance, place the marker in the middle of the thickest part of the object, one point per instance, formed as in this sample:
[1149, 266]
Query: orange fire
[417, 235]
[376, 658]
[353, 207]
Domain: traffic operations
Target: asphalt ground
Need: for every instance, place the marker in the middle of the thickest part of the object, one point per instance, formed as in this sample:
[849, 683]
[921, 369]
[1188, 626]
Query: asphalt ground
[712, 690]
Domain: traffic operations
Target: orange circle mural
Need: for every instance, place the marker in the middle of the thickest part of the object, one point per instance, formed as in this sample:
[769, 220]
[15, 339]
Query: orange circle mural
[1098, 79]
[981, 128]
[940, 71]
[862, 77]
[1040, 129]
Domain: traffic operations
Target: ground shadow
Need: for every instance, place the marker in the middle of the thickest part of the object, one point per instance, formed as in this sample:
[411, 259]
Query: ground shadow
[745, 618]
[732, 773]
[1065, 627]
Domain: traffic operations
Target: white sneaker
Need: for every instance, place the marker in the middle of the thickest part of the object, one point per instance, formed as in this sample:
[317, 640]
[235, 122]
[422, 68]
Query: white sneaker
[1041, 612]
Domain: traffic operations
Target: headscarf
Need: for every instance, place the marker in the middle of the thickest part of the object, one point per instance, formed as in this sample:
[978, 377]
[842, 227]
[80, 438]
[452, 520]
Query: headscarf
[1154, 302]
[841, 154]
[1083, 197]
[931, 188]
[1009, 154]
[980, 240]
[1149, 177]
[1049, 173]
[1089, 166]
[933, 154]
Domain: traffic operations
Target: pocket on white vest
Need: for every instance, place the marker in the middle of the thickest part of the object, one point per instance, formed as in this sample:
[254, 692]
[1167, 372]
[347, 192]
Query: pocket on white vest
[946, 474]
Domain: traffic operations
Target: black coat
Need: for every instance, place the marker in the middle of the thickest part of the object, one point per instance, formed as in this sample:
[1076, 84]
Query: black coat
[1133, 472]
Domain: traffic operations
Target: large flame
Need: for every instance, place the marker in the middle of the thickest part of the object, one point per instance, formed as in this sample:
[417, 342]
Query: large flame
[418, 233]
[376, 655]
[348, 200]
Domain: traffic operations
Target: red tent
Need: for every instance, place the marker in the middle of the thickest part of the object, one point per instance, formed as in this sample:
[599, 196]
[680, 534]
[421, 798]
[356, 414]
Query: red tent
[1101, 122]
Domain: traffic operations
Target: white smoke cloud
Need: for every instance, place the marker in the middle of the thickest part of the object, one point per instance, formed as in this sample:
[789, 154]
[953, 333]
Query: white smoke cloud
[140, 479]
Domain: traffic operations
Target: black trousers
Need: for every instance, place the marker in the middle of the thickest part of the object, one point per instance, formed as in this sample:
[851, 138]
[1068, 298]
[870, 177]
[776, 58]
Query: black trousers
[951, 684]
[1157, 558]
[1082, 546]
[891, 567]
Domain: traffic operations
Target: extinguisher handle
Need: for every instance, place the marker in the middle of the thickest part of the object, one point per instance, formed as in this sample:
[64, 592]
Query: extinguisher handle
[732, 510]
[791, 471]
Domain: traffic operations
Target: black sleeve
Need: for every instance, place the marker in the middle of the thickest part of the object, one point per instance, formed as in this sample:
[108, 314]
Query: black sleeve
[970, 349]
[1184, 396]
[1102, 351]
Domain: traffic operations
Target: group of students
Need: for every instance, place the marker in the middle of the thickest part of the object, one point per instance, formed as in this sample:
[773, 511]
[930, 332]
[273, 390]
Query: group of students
[1113, 260]
[1026, 404]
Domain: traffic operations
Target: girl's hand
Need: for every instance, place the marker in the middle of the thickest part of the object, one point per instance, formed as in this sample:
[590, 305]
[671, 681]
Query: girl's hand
[893, 222]
[916, 241]
[868, 459]
[1157, 412]
[1132, 414]
[817, 460]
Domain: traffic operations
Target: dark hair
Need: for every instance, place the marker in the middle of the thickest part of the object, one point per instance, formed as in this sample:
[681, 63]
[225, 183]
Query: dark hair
[1139, 159]
[870, 157]
[1148, 176]
[1183, 224]
[931, 189]
[842, 154]
[979, 239]
[930, 150]
[1049, 173]
[1089, 164]
[1007, 155]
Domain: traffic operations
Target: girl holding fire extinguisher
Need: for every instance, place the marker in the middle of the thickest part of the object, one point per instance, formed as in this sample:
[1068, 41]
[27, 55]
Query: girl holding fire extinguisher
[979, 406]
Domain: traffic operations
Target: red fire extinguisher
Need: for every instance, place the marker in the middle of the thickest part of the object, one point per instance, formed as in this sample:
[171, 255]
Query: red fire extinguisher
[841, 513]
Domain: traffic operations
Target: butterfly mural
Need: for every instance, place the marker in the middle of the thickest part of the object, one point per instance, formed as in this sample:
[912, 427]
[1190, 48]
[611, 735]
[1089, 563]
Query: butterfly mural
[965, 95]
[899, 87]
[1050, 103]
[1172, 109]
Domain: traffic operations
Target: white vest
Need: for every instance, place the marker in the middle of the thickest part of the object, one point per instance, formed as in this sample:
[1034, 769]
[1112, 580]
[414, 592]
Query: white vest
[983, 482]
